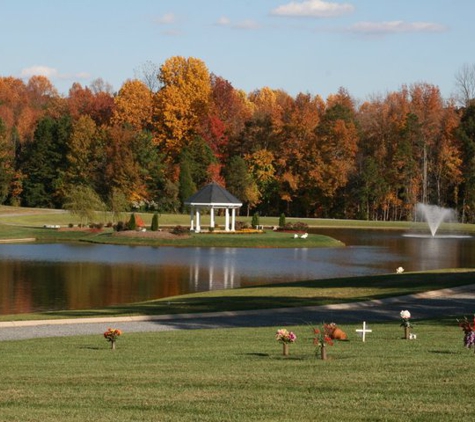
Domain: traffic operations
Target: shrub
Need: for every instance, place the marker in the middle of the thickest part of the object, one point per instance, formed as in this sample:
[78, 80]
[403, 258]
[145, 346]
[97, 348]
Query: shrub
[120, 226]
[132, 224]
[255, 220]
[154, 226]
[179, 230]
[282, 220]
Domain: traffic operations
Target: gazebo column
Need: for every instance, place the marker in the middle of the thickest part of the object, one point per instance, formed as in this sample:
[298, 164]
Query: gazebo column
[226, 220]
[233, 220]
[198, 227]
[211, 224]
[192, 220]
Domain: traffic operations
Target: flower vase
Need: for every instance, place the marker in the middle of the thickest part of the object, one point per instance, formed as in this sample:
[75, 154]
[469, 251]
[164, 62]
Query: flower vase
[285, 350]
[113, 344]
[323, 352]
[406, 332]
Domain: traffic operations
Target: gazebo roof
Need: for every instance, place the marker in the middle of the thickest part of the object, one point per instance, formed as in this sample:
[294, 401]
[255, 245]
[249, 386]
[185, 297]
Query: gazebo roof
[213, 195]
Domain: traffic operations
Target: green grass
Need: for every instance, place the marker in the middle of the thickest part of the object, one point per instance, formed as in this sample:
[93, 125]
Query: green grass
[240, 375]
[302, 293]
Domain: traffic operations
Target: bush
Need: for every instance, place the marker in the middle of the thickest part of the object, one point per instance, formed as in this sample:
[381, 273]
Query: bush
[282, 220]
[240, 225]
[179, 230]
[132, 224]
[255, 220]
[154, 226]
[120, 226]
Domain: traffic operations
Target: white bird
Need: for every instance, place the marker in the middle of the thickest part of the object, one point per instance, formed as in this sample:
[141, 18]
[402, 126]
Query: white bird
[296, 235]
[399, 270]
[304, 236]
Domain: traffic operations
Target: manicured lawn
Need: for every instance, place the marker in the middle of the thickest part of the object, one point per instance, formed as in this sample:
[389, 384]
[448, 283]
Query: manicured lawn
[240, 375]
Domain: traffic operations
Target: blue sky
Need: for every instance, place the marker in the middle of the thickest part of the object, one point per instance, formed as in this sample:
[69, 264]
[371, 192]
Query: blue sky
[369, 47]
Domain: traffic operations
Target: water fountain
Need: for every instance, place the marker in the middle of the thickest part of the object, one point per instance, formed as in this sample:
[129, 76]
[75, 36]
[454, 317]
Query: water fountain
[435, 216]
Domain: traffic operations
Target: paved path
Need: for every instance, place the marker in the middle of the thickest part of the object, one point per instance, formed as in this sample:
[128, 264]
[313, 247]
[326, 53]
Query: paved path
[454, 302]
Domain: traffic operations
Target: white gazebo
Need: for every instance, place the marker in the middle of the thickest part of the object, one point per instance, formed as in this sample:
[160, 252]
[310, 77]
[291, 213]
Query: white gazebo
[212, 197]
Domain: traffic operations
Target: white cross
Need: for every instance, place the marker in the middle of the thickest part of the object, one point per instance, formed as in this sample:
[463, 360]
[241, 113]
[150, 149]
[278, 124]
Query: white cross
[363, 331]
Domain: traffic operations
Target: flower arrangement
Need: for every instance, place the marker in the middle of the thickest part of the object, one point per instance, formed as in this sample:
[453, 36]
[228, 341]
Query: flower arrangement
[111, 335]
[405, 319]
[321, 339]
[469, 332]
[285, 336]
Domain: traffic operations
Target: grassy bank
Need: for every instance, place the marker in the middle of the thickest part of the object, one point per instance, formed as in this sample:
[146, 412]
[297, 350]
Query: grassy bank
[303, 293]
[239, 375]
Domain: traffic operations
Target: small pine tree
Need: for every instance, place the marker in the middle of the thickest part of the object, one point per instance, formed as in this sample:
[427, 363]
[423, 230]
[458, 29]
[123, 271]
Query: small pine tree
[255, 220]
[154, 226]
[282, 220]
[132, 224]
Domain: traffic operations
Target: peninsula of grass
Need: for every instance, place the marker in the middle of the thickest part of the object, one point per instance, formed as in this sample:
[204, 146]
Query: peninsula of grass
[287, 295]
[240, 375]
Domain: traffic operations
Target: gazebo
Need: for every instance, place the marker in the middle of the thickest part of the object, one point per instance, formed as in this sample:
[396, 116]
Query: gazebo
[213, 196]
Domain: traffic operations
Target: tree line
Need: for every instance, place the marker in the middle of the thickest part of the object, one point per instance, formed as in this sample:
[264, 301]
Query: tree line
[176, 127]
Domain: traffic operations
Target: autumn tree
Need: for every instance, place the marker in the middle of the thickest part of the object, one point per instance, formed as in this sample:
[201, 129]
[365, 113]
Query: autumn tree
[7, 163]
[134, 105]
[466, 134]
[121, 167]
[96, 102]
[83, 154]
[182, 103]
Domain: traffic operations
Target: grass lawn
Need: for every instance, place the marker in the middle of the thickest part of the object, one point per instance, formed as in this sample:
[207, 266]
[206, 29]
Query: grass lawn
[240, 375]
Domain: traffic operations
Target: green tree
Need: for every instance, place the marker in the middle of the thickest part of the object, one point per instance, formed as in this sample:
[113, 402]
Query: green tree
[282, 220]
[43, 160]
[118, 204]
[186, 184]
[83, 202]
[154, 225]
[240, 183]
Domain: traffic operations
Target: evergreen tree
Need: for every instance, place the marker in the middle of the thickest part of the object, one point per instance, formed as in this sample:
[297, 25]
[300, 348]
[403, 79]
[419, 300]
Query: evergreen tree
[43, 161]
[154, 226]
[186, 184]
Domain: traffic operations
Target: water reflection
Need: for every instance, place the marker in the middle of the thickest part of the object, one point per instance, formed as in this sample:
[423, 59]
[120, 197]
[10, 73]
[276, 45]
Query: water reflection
[80, 276]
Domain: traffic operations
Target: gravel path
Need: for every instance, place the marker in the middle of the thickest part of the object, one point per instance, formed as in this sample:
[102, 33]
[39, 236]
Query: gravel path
[454, 302]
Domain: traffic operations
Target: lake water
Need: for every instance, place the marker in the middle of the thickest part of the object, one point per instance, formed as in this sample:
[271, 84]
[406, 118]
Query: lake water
[39, 277]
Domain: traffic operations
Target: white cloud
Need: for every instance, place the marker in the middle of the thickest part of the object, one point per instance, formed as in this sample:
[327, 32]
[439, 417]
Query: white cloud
[224, 21]
[166, 19]
[37, 70]
[313, 9]
[246, 24]
[51, 73]
[381, 28]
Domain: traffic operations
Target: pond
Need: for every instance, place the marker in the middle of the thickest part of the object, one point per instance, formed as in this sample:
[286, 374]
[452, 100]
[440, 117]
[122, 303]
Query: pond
[40, 277]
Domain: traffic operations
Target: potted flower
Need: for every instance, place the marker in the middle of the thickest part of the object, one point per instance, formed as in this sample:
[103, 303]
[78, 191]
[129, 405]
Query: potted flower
[286, 338]
[406, 323]
[111, 336]
[469, 332]
[321, 340]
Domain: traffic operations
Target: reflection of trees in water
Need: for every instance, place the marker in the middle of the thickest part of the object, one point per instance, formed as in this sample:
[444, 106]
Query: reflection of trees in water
[32, 286]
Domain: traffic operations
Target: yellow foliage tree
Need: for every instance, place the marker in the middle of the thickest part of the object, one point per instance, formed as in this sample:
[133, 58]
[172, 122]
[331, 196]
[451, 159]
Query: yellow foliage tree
[134, 105]
[182, 102]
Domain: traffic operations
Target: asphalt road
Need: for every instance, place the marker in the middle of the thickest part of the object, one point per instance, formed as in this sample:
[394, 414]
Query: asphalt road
[455, 302]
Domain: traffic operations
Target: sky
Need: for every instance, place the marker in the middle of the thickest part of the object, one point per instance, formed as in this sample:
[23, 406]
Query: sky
[368, 47]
